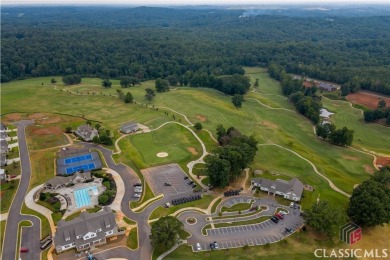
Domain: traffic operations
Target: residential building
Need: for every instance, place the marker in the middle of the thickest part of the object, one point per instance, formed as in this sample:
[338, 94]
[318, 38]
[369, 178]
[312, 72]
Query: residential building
[3, 128]
[128, 128]
[86, 132]
[86, 231]
[63, 181]
[291, 190]
[3, 176]
[327, 87]
[4, 146]
[3, 159]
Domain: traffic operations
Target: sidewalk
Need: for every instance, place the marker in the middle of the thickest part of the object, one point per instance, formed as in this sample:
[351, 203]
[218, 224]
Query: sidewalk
[30, 203]
[120, 189]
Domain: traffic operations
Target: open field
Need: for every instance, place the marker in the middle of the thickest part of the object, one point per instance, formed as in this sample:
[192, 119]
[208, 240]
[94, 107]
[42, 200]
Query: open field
[373, 137]
[172, 138]
[367, 99]
[42, 166]
[7, 193]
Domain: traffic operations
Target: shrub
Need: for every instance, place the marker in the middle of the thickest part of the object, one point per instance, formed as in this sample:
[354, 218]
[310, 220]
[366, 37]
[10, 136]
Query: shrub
[103, 199]
[107, 184]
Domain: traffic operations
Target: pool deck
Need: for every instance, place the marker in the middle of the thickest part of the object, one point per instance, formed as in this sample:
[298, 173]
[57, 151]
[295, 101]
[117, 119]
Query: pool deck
[68, 195]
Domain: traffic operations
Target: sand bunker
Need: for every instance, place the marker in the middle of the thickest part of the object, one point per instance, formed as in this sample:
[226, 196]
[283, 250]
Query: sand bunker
[201, 118]
[162, 154]
[192, 150]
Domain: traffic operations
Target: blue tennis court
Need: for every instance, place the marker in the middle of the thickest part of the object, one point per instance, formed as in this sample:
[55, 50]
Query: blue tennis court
[82, 196]
[84, 167]
[78, 158]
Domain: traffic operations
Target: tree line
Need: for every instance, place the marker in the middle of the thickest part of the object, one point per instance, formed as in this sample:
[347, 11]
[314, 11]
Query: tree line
[191, 45]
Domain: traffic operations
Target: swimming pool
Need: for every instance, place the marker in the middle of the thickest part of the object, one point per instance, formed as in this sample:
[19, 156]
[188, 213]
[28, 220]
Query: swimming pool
[85, 167]
[78, 158]
[82, 196]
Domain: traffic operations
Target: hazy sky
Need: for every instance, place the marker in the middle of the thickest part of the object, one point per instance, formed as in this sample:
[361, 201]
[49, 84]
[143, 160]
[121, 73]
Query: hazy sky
[192, 2]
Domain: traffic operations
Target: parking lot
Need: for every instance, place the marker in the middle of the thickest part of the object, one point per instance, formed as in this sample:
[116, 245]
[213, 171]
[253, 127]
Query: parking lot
[172, 174]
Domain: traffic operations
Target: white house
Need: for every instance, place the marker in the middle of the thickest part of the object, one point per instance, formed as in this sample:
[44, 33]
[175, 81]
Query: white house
[86, 231]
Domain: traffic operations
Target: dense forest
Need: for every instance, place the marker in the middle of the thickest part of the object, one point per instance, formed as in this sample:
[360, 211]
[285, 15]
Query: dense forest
[193, 45]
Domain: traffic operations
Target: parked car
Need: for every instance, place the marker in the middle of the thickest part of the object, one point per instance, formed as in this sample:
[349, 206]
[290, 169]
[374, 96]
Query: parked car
[167, 205]
[198, 247]
[212, 246]
[137, 195]
[289, 230]
[137, 184]
[13, 176]
[279, 216]
[138, 189]
[283, 212]
[291, 204]
[23, 250]
[167, 184]
[216, 246]
[274, 219]
[46, 244]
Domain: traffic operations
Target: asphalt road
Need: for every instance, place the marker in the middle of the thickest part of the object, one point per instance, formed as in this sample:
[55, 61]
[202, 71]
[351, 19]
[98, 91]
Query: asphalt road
[14, 217]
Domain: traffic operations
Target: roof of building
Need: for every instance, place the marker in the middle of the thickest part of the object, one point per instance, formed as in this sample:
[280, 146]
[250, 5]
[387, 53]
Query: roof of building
[2, 172]
[2, 126]
[86, 222]
[3, 135]
[86, 132]
[4, 144]
[60, 180]
[327, 86]
[3, 159]
[129, 127]
[294, 185]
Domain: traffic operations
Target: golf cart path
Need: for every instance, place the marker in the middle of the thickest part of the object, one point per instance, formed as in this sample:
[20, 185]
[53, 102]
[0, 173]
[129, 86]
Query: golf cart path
[331, 184]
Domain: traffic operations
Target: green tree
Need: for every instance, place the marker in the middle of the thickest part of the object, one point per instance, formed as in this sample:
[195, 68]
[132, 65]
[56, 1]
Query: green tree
[53, 81]
[218, 171]
[198, 126]
[165, 233]
[68, 129]
[382, 176]
[103, 199]
[125, 82]
[121, 95]
[325, 218]
[388, 120]
[221, 131]
[161, 85]
[345, 89]
[369, 204]
[173, 80]
[129, 98]
[368, 116]
[149, 94]
[237, 100]
[382, 104]
[97, 126]
[325, 130]
[106, 83]
[256, 82]
[342, 137]
[71, 79]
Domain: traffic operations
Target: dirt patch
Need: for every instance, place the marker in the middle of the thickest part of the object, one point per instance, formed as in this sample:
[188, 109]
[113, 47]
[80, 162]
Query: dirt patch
[201, 118]
[269, 124]
[383, 161]
[12, 118]
[37, 116]
[192, 150]
[368, 169]
[351, 158]
[367, 99]
[51, 130]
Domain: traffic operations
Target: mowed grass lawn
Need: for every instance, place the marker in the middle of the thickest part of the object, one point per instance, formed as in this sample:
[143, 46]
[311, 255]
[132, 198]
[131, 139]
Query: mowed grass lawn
[286, 128]
[172, 138]
[370, 136]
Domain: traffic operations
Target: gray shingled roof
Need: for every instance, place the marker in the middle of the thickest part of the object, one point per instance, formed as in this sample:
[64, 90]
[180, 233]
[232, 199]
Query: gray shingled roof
[3, 159]
[3, 135]
[2, 126]
[60, 180]
[4, 146]
[129, 127]
[86, 222]
[326, 86]
[280, 185]
[86, 132]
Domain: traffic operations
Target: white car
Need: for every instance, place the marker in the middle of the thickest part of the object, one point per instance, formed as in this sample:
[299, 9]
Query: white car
[137, 195]
[198, 247]
[291, 204]
[137, 189]
[283, 212]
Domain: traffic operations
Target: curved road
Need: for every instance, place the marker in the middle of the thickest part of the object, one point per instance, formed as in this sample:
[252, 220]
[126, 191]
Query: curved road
[14, 216]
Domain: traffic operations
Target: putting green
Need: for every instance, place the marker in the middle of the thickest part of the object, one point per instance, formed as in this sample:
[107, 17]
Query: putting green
[171, 139]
